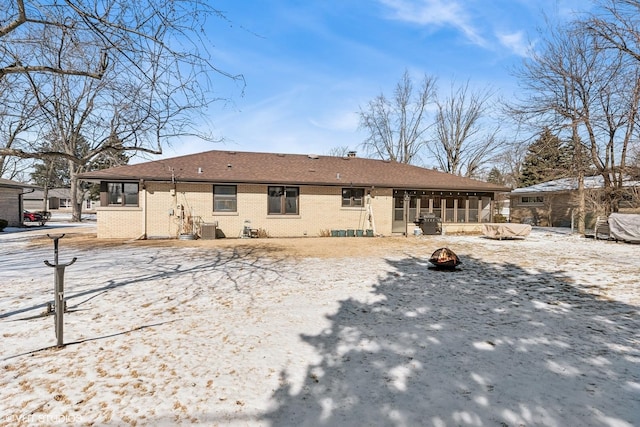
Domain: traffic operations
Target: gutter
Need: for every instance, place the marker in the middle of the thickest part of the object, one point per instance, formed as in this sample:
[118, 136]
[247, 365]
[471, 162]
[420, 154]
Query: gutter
[339, 183]
[144, 211]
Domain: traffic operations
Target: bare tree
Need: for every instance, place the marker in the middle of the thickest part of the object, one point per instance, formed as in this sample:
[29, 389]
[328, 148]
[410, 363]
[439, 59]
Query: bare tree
[123, 75]
[509, 162]
[611, 136]
[397, 128]
[573, 85]
[18, 116]
[556, 79]
[463, 141]
[618, 26]
[109, 29]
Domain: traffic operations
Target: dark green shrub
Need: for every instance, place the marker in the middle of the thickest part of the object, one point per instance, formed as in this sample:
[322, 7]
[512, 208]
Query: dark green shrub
[3, 224]
[499, 218]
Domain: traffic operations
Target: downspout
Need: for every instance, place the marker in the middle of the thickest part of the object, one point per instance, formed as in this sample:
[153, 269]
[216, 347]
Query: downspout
[144, 210]
[21, 204]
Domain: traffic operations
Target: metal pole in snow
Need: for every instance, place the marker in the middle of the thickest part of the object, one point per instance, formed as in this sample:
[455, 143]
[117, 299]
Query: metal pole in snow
[58, 289]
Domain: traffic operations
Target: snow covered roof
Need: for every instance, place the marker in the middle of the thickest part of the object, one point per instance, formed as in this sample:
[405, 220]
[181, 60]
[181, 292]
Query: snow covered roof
[567, 184]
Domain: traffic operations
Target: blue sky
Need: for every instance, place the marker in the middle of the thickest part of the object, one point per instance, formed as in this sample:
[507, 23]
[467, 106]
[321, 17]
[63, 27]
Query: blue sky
[309, 66]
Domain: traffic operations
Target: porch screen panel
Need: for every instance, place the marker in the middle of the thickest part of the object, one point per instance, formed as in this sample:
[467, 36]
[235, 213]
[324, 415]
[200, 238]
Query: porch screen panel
[398, 209]
[473, 209]
[437, 206]
[461, 210]
[424, 205]
[413, 209]
[486, 210]
[449, 209]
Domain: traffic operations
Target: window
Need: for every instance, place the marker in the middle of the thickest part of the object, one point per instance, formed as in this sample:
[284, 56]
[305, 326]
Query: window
[352, 197]
[122, 193]
[283, 200]
[225, 198]
[531, 200]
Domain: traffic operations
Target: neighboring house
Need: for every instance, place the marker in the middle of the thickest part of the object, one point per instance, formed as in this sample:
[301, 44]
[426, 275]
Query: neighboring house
[553, 203]
[11, 204]
[283, 195]
[58, 199]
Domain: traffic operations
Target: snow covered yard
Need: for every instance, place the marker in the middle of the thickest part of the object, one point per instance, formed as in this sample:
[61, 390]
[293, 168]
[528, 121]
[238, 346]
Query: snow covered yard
[325, 331]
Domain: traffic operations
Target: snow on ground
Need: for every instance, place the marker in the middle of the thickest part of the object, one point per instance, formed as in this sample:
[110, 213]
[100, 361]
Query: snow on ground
[543, 331]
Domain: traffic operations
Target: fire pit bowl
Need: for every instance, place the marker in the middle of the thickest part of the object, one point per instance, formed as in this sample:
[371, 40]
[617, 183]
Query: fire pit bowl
[445, 258]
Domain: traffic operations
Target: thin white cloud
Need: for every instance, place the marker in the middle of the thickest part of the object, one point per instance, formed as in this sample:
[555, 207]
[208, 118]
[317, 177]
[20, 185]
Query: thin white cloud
[516, 42]
[440, 13]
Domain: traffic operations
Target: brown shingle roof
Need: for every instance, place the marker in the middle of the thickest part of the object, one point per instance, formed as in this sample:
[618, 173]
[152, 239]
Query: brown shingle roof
[290, 169]
[14, 184]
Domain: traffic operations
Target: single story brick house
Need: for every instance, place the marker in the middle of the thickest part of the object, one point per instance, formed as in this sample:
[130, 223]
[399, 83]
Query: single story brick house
[282, 195]
[11, 203]
[58, 199]
[552, 203]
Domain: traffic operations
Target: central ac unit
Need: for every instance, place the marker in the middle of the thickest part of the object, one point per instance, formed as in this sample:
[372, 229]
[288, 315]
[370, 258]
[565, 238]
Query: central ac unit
[208, 231]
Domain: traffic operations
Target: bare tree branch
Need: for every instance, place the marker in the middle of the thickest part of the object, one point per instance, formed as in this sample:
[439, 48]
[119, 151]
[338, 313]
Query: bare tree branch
[574, 84]
[463, 142]
[618, 26]
[397, 128]
[104, 76]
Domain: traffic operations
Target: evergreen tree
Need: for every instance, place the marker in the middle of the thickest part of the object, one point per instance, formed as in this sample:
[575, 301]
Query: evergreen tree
[50, 174]
[547, 159]
[106, 159]
[580, 159]
[54, 172]
[496, 177]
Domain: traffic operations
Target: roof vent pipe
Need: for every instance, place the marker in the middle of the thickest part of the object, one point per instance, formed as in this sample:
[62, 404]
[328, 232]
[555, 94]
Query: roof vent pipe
[199, 170]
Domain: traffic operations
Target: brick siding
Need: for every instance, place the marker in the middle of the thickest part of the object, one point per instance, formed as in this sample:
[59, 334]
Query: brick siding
[320, 211]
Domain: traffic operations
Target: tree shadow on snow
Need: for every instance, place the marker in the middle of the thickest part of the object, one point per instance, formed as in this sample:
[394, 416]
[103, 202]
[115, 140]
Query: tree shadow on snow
[234, 266]
[231, 269]
[487, 345]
